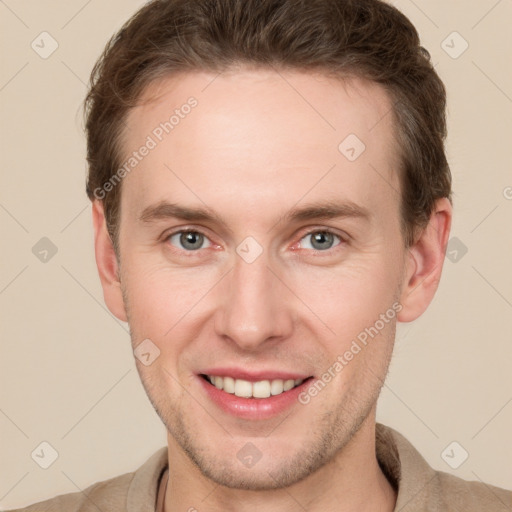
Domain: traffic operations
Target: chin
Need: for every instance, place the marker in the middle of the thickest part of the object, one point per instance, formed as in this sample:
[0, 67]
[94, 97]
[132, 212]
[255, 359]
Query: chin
[261, 477]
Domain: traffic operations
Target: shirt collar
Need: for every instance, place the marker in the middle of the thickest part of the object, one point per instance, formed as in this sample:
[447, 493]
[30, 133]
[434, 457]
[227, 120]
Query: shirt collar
[402, 464]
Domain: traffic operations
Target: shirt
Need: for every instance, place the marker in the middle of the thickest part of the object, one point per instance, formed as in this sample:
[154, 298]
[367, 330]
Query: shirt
[420, 488]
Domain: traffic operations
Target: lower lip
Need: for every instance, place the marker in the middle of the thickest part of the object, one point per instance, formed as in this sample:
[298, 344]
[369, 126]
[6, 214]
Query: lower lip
[253, 408]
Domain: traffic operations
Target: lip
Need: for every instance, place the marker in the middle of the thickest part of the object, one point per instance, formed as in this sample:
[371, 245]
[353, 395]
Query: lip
[254, 376]
[253, 408]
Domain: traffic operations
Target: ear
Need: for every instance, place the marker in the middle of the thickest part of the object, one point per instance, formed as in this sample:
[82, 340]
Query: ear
[107, 264]
[424, 263]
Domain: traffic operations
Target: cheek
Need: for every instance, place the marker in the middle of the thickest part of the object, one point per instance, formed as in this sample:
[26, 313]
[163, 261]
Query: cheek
[160, 299]
[349, 297]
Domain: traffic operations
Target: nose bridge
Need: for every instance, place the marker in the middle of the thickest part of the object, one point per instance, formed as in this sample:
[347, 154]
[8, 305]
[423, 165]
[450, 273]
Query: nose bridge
[253, 307]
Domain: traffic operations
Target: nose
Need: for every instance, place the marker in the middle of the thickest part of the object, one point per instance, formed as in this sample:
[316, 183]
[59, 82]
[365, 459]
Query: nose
[254, 306]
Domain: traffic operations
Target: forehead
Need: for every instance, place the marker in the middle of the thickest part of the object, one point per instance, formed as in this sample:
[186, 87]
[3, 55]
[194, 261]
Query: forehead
[261, 138]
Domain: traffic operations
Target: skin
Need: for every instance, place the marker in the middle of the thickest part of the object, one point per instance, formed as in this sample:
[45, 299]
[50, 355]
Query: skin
[250, 151]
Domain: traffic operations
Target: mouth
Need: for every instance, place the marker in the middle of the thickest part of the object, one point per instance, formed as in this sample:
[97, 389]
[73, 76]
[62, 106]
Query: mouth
[253, 394]
[258, 390]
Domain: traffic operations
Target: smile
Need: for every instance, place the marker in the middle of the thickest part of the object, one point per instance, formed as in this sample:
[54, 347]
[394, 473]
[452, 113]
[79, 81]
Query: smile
[259, 389]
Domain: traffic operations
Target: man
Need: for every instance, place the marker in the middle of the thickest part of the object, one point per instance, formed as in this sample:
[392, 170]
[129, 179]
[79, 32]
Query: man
[270, 196]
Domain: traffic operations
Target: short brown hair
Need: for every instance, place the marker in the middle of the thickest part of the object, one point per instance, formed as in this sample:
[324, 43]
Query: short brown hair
[369, 39]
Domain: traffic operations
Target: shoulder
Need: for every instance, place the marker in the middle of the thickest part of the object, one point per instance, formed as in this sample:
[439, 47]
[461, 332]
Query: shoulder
[420, 487]
[458, 494]
[127, 492]
[108, 493]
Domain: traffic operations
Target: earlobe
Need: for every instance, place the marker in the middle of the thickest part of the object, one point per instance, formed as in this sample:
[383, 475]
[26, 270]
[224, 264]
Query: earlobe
[106, 261]
[424, 264]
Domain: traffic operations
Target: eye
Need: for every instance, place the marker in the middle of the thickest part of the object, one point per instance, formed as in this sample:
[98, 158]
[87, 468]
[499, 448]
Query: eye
[189, 240]
[320, 240]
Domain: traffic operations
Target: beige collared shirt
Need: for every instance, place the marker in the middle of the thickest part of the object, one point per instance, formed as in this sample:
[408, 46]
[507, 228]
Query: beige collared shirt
[420, 488]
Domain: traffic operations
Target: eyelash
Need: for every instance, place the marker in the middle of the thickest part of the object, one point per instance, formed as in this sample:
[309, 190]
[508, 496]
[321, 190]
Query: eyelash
[317, 253]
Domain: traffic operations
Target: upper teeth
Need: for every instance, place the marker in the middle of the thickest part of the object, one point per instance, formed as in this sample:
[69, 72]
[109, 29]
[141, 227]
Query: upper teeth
[259, 389]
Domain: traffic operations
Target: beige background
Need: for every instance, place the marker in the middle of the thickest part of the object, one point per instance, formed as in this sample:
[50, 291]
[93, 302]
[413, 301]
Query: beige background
[67, 372]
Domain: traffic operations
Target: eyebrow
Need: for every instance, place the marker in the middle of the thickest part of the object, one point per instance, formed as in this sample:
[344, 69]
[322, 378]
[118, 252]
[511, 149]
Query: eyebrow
[166, 210]
[326, 210]
[310, 211]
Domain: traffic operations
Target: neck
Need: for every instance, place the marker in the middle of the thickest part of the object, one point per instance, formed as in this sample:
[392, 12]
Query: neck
[352, 481]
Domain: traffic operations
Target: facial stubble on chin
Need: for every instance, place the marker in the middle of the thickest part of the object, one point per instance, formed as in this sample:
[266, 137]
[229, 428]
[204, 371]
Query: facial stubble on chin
[331, 432]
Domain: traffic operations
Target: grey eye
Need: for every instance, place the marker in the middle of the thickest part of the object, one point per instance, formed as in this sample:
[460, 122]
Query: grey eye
[189, 240]
[320, 240]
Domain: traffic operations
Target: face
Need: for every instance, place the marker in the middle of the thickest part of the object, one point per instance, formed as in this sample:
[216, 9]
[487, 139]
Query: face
[254, 250]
